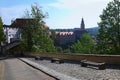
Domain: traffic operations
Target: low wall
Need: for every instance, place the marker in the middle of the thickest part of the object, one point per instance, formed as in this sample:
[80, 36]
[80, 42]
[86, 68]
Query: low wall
[112, 59]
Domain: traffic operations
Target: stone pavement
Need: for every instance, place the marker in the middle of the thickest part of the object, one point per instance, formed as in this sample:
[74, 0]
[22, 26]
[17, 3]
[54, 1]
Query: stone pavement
[74, 70]
[1, 70]
[58, 75]
[14, 69]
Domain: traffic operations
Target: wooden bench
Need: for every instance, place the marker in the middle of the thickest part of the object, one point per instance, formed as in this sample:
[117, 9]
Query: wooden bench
[85, 63]
[57, 60]
[38, 58]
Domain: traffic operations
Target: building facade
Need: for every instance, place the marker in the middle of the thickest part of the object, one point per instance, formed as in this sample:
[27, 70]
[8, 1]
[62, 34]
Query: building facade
[78, 33]
[63, 38]
[13, 32]
[66, 37]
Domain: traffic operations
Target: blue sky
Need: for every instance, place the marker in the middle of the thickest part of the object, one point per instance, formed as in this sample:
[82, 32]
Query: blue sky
[62, 13]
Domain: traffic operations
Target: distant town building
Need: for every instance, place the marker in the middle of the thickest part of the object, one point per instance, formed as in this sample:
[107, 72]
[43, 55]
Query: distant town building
[79, 32]
[93, 31]
[82, 24]
[68, 37]
[63, 38]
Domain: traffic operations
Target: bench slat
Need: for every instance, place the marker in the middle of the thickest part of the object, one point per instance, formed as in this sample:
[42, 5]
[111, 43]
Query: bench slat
[94, 63]
[57, 60]
[38, 58]
[84, 63]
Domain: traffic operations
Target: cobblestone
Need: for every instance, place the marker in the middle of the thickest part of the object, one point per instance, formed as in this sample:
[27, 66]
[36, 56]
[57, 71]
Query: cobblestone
[84, 73]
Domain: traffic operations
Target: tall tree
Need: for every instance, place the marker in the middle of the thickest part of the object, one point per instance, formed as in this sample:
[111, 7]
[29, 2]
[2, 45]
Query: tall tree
[37, 32]
[109, 32]
[1, 31]
[85, 45]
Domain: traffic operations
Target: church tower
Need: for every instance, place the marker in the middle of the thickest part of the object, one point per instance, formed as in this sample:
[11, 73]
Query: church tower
[82, 24]
[78, 33]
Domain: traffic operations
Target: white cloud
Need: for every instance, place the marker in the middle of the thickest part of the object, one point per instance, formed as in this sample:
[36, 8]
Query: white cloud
[9, 13]
[88, 9]
[72, 4]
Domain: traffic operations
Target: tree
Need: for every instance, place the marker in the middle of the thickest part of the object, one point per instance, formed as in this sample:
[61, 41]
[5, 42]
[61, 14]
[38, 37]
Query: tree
[109, 32]
[85, 45]
[36, 33]
[1, 31]
[77, 47]
[53, 37]
[88, 43]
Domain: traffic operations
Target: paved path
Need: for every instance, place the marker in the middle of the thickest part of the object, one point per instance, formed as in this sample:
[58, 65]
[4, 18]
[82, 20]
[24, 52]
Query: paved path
[14, 69]
[1, 70]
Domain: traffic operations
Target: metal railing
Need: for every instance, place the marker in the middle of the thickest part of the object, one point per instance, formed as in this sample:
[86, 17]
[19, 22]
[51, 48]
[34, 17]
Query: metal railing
[10, 45]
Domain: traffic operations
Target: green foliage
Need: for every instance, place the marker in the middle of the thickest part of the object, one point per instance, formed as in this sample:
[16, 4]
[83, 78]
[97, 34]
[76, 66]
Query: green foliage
[84, 45]
[59, 49]
[77, 47]
[43, 42]
[1, 34]
[67, 51]
[109, 32]
[35, 34]
[53, 36]
[27, 36]
[1, 31]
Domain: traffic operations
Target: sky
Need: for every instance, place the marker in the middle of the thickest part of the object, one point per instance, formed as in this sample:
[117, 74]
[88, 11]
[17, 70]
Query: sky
[63, 14]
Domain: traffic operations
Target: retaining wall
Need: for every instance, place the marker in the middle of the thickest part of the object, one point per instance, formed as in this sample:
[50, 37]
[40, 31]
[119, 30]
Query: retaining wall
[112, 59]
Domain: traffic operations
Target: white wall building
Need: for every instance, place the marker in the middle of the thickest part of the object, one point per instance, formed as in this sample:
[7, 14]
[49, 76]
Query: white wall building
[11, 34]
[13, 31]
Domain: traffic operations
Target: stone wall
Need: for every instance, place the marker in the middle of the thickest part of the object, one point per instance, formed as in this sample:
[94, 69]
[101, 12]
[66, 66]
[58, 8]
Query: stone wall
[112, 59]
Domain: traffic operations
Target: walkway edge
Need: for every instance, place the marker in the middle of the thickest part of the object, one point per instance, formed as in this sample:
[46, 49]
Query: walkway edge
[51, 72]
